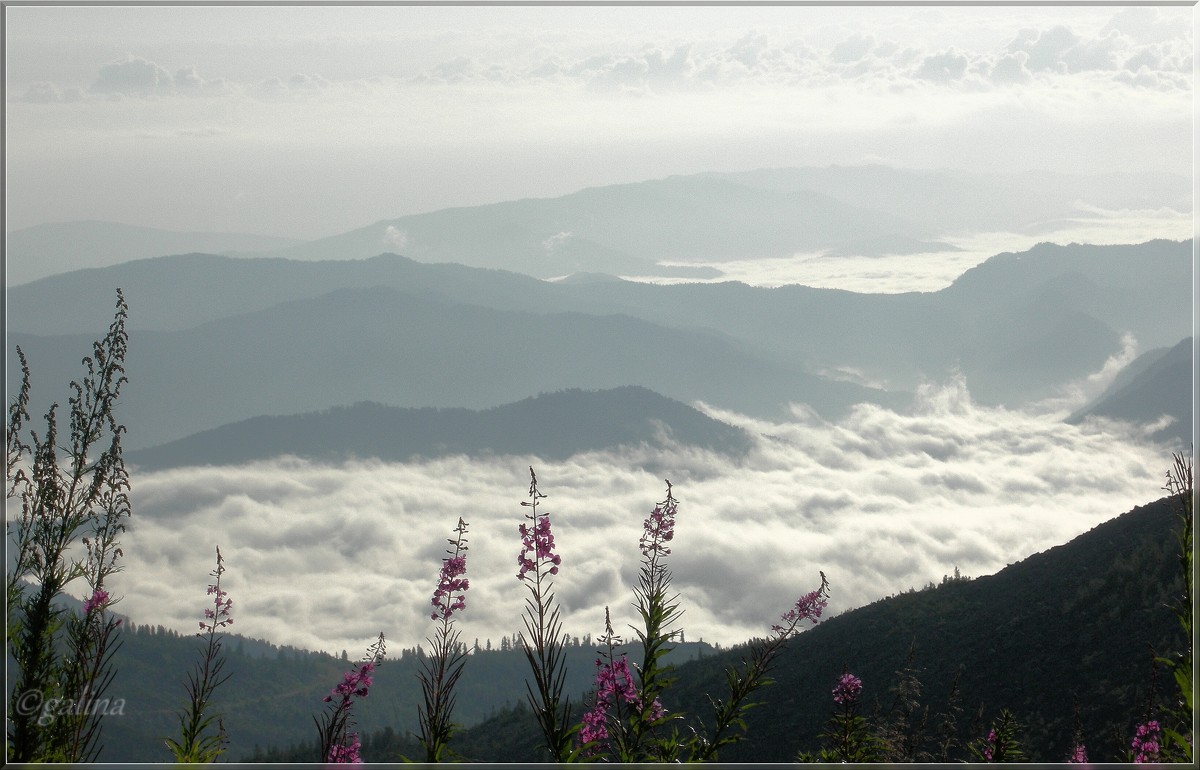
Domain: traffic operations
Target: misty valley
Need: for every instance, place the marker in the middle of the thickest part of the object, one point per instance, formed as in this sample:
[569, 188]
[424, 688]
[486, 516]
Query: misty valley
[903, 524]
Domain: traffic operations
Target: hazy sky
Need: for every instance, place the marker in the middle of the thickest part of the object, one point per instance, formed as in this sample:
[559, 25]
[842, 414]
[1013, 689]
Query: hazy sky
[306, 121]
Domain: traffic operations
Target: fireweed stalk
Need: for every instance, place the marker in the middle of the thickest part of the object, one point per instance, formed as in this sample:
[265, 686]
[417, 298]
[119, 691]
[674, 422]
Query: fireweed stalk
[1146, 743]
[623, 716]
[603, 727]
[847, 738]
[338, 744]
[66, 487]
[543, 640]
[194, 745]
[659, 611]
[441, 670]
[732, 712]
[1001, 743]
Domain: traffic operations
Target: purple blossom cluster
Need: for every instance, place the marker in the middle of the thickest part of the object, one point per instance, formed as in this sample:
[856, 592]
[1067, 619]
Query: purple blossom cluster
[537, 547]
[450, 595]
[989, 746]
[1078, 755]
[355, 683]
[659, 528]
[1146, 743]
[808, 607]
[847, 689]
[348, 754]
[338, 744]
[98, 601]
[614, 683]
[218, 614]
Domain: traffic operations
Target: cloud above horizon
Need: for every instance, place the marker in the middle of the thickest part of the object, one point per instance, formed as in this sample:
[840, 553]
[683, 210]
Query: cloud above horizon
[399, 110]
[326, 556]
[786, 57]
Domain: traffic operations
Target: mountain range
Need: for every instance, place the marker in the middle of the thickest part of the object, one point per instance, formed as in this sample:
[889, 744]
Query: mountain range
[1159, 382]
[679, 226]
[49, 249]
[215, 340]
[551, 426]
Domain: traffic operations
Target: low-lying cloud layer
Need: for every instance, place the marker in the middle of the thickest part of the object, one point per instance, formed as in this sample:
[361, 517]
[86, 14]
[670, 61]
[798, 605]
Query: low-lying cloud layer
[325, 557]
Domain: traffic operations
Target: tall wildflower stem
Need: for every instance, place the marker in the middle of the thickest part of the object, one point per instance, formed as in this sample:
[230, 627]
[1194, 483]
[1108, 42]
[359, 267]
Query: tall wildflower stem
[196, 743]
[442, 669]
[68, 487]
[659, 610]
[543, 640]
[338, 744]
[603, 728]
[731, 713]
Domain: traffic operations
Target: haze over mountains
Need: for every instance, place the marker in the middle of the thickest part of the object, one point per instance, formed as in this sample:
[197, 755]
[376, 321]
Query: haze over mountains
[48, 249]
[691, 223]
[304, 408]
[1154, 385]
[555, 426]
[216, 339]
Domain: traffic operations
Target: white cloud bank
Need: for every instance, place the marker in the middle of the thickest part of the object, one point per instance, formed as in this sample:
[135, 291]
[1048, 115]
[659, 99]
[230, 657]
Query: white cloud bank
[325, 557]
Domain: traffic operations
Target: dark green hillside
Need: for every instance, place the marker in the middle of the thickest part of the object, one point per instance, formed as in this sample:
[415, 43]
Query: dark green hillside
[1076, 620]
[551, 426]
[274, 691]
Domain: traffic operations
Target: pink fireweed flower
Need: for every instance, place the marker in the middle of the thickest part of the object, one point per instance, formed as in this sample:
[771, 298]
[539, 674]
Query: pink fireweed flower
[354, 683]
[614, 683]
[1078, 755]
[347, 754]
[450, 595]
[989, 746]
[218, 614]
[847, 689]
[1146, 743]
[98, 601]
[659, 528]
[808, 607]
[337, 743]
[537, 547]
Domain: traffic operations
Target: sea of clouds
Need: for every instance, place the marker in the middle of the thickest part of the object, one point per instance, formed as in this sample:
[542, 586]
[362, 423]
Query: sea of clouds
[327, 556]
[933, 271]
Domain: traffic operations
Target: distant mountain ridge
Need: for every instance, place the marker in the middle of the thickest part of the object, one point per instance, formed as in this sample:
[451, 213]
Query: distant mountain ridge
[385, 345]
[551, 426]
[1161, 382]
[49, 249]
[216, 340]
[692, 221]
[621, 229]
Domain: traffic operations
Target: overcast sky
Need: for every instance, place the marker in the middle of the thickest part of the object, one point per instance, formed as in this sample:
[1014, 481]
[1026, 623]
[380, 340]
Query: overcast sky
[307, 121]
